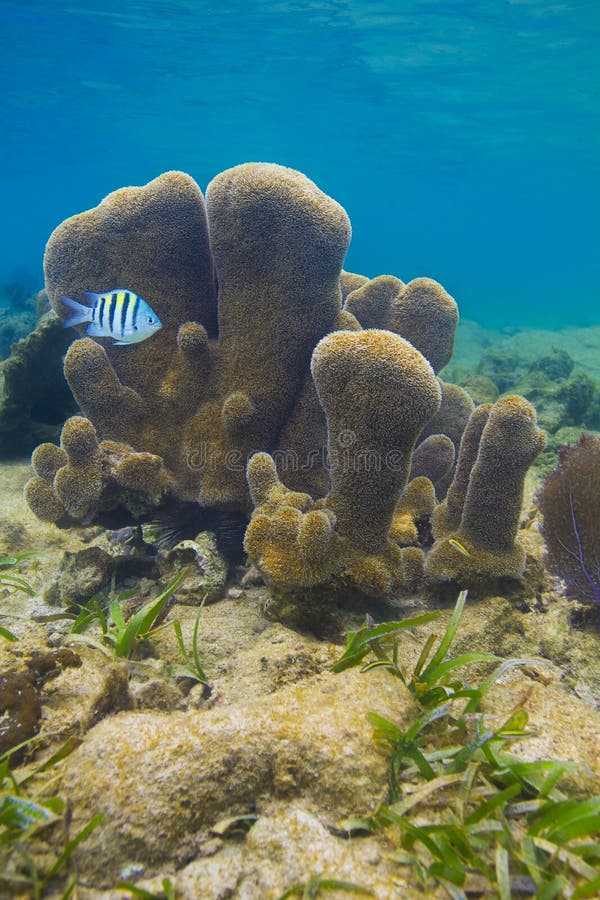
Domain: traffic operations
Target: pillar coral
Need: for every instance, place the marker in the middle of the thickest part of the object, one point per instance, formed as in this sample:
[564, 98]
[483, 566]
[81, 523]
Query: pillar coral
[371, 443]
[448, 513]
[276, 366]
[214, 384]
[278, 244]
[484, 542]
[421, 311]
[433, 458]
[369, 449]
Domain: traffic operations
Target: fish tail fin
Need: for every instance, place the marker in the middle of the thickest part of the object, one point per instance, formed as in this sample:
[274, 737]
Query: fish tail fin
[81, 312]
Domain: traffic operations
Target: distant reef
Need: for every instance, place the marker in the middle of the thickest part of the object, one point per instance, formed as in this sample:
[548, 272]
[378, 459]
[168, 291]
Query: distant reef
[558, 372]
[34, 396]
[19, 313]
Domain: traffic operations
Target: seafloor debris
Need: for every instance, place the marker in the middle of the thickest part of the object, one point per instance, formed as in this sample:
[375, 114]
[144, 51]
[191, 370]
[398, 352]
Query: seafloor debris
[252, 298]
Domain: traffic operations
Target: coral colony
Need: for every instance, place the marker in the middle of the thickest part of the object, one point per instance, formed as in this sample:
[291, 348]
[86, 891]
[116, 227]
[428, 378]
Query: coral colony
[282, 387]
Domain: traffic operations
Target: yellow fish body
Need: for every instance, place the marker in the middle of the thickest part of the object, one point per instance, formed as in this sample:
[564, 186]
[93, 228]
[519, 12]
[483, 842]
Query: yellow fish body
[458, 546]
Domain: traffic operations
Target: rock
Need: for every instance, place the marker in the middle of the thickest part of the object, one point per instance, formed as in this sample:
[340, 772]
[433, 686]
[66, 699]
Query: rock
[480, 388]
[189, 770]
[574, 401]
[556, 365]
[156, 693]
[21, 694]
[80, 575]
[20, 711]
[569, 434]
[76, 686]
[13, 536]
[562, 727]
[55, 639]
[581, 396]
[551, 414]
[502, 366]
[252, 577]
[87, 572]
[546, 397]
[286, 847]
[208, 574]
[72, 704]
[14, 327]
[243, 653]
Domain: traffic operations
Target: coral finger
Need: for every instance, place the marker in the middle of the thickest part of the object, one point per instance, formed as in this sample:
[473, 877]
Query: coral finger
[433, 458]
[372, 302]
[413, 511]
[190, 366]
[142, 472]
[509, 443]
[47, 459]
[278, 244]
[485, 543]
[42, 500]
[237, 412]
[152, 240]
[262, 477]
[79, 490]
[370, 444]
[78, 484]
[79, 441]
[350, 281]
[427, 316]
[315, 536]
[113, 408]
[452, 417]
[447, 515]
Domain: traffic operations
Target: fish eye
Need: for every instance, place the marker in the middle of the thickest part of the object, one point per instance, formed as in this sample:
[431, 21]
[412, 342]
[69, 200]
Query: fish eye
[150, 320]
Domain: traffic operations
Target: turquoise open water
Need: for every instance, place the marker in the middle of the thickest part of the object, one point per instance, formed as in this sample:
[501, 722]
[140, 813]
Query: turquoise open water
[463, 138]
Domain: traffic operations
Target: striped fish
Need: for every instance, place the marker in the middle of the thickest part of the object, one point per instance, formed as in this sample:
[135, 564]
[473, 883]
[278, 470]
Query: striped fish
[119, 314]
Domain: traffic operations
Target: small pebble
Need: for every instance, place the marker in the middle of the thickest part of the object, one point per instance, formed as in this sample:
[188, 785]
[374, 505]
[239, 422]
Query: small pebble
[133, 870]
[234, 593]
[196, 698]
[252, 578]
[55, 639]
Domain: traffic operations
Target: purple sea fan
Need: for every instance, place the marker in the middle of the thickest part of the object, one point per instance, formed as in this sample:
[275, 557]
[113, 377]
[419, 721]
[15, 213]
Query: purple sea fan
[569, 500]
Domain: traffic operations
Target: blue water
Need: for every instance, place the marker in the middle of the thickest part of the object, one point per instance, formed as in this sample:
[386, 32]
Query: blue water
[463, 138]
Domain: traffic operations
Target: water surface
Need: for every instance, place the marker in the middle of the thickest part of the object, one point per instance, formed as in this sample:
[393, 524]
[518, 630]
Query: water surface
[463, 138]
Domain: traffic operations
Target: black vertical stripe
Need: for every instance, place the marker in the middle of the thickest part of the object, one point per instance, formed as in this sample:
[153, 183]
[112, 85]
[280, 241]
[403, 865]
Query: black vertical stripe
[124, 313]
[136, 306]
[101, 311]
[111, 312]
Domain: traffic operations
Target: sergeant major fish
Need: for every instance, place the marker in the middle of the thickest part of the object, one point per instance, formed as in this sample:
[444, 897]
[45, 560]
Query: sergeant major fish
[119, 314]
